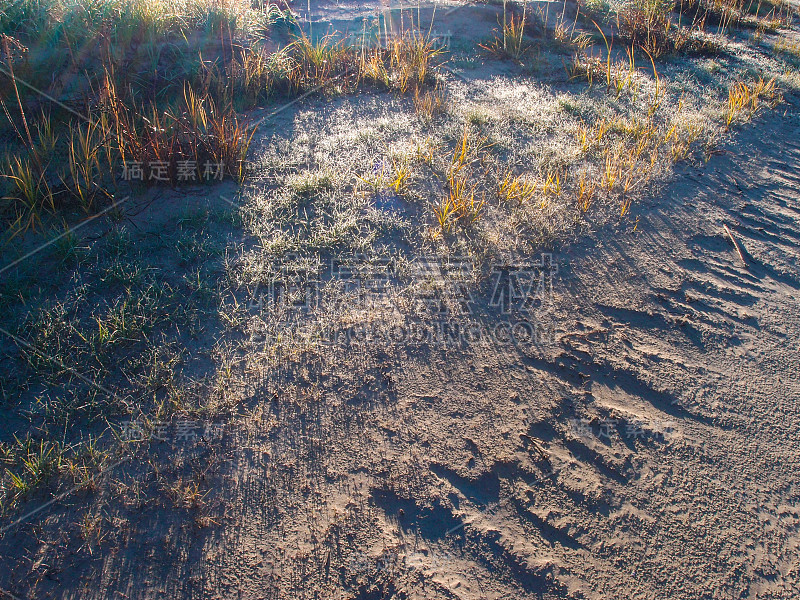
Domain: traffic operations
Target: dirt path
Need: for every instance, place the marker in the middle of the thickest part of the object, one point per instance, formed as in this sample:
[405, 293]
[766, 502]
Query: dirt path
[650, 452]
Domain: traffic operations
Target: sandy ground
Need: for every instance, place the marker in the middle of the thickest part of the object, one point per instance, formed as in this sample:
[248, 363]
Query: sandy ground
[649, 450]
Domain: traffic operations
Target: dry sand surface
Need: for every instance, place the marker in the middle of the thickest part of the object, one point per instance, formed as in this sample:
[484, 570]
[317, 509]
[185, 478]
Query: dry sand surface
[646, 446]
[649, 450]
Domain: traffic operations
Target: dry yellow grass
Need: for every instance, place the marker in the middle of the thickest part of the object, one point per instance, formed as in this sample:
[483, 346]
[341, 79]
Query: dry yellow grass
[517, 189]
[744, 100]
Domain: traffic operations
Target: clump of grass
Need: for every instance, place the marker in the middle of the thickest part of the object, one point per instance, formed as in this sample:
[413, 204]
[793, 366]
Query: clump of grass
[429, 103]
[409, 61]
[185, 494]
[517, 189]
[87, 146]
[648, 25]
[30, 465]
[510, 42]
[184, 143]
[585, 192]
[320, 63]
[459, 204]
[31, 194]
[744, 101]
[404, 65]
[311, 182]
[787, 47]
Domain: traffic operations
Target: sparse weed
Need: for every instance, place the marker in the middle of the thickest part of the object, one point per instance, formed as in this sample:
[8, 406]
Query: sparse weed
[585, 193]
[84, 463]
[84, 159]
[787, 47]
[552, 185]
[445, 213]
[186, 494]
[308, 183]
[31, 192]
[31, 464]
[91, 531]
[618, 76]
[625, 205]
[592, 137]
[517, 189]
[585, 64]
[401, 177]
[429, 103]
[459, 203]
[396, 176]
[744, 100]
[67, 245]
[510, 43]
